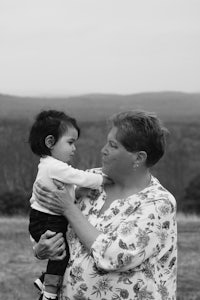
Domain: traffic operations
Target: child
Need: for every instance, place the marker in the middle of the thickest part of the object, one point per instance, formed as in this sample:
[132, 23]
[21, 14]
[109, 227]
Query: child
[52, 137]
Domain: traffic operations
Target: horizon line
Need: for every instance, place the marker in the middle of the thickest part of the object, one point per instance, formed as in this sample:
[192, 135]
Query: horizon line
[73, 95]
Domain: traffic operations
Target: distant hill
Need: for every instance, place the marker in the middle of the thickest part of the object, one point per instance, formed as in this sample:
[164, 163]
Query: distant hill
[170, 106]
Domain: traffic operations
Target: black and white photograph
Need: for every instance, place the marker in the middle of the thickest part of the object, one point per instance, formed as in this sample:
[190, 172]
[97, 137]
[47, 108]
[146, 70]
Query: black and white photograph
[100, 150]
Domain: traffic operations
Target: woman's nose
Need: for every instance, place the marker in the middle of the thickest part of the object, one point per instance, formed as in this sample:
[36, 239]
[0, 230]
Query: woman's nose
[104, 150]
[74, 147]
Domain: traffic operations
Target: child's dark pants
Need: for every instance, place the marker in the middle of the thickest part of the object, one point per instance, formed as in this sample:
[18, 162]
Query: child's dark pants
[41, 222]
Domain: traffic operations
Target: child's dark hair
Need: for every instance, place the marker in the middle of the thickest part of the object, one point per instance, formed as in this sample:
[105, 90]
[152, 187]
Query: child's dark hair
[50, 122]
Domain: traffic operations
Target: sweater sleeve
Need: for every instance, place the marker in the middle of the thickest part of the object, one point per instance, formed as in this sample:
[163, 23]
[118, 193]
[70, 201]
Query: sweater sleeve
[69, 175]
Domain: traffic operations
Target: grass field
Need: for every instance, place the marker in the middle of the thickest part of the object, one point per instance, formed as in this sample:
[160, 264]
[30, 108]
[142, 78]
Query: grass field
[18, 267]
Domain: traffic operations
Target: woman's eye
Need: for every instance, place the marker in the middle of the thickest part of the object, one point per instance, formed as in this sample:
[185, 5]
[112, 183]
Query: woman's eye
[113, 145]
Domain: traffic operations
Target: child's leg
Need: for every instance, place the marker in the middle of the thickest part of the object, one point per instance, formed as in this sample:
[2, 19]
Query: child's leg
[56, 269]
[54, 274]
[39, 223]
[37, 226]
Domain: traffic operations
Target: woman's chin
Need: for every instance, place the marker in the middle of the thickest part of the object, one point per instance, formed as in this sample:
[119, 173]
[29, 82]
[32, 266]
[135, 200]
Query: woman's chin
[105, 169]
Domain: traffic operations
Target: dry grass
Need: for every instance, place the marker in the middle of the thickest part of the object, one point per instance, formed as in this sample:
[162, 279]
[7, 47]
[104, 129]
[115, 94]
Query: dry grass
[18, 267]
[188, 257]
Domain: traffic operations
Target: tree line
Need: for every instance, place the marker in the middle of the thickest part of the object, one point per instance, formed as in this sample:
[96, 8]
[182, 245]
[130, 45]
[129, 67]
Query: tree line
[178, 170]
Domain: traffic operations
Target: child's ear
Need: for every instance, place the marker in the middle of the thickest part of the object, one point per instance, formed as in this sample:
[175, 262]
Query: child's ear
[50, 141]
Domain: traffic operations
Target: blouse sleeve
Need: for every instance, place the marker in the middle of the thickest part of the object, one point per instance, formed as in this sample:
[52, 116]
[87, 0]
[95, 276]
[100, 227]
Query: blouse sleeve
[136, 238]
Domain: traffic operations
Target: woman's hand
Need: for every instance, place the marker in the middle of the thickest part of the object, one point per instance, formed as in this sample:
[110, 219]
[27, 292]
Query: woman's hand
[57, 201]
[50, 246]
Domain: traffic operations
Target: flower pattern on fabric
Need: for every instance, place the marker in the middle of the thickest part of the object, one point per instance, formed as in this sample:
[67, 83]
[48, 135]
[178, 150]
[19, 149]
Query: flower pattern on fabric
[102, 286]
[135, 255]
[127, 228]
[142, 238]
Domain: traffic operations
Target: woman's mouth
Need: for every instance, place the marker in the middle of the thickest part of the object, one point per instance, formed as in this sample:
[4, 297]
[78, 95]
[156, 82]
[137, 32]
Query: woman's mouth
[104, 159]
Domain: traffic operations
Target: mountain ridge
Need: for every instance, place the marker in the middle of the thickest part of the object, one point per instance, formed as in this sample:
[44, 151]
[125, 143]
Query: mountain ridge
[169, 105]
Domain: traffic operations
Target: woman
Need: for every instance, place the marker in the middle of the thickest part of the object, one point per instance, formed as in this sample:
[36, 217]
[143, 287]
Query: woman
[122, 237]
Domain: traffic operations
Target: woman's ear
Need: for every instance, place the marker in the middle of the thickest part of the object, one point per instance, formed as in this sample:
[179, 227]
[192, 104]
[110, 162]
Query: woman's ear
[50, 141]
[139, 159]
[142, 157]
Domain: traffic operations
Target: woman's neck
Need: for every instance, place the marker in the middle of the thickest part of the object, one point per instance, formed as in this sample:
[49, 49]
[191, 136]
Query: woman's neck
[133, 183]
[125, 187]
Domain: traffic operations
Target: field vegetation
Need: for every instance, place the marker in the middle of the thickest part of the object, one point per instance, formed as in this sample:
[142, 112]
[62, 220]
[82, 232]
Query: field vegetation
[178, 170]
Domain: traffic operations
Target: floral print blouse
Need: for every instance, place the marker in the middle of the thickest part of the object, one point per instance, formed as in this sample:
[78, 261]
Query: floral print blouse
[134, 257]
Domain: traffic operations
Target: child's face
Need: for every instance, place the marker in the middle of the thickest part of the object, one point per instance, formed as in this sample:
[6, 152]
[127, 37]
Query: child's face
[65, 148]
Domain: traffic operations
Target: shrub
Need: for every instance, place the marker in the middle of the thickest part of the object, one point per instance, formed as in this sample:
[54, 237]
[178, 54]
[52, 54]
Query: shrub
[14, 203]
[191, 203]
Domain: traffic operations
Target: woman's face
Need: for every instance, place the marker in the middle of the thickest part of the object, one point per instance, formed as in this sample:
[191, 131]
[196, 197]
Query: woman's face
[116, 160]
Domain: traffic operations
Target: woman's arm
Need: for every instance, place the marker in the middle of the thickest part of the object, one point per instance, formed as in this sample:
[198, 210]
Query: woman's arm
[138, 237]
[84, 230]
[60, 202]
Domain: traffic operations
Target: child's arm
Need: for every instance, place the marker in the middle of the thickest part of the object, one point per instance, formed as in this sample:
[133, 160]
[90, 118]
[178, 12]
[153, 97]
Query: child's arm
[69, 175]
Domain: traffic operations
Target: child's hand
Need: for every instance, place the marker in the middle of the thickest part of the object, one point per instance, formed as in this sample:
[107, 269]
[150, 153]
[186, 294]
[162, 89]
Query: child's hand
[107, 180]
[81, 192]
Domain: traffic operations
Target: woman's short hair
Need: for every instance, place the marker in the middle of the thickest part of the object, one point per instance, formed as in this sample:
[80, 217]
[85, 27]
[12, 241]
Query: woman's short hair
[50, 122]
[141, 131]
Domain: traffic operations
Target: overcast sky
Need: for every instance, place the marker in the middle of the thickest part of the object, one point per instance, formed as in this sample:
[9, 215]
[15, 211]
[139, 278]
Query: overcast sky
[62, 47]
